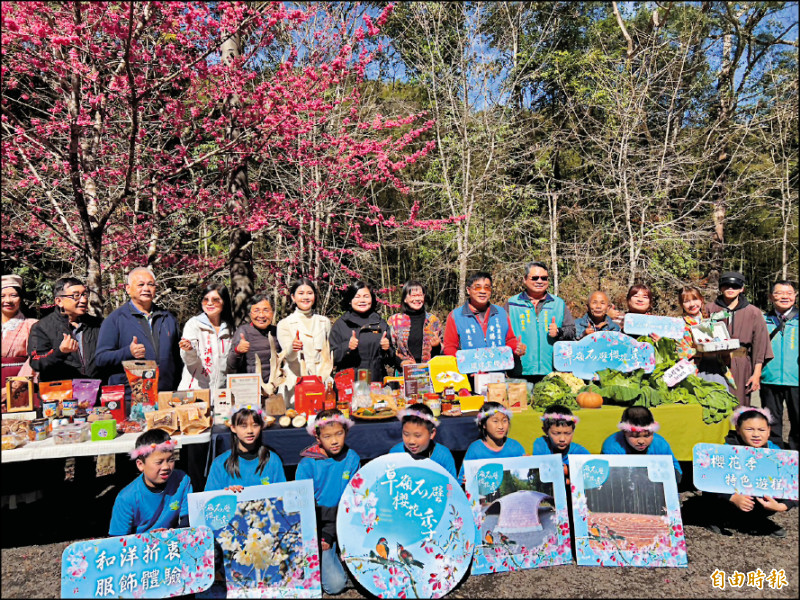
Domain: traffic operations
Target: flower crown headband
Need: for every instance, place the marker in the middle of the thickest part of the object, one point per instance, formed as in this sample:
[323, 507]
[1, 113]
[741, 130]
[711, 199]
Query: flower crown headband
[559, 417]
[252, 407]
[743, 409]
[485, 414]
[652, 428]
[312, 428]
[147, 449]
[410, 412]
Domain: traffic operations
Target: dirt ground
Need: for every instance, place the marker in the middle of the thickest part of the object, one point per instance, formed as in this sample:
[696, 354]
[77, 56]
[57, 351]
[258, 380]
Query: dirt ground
[34, 571]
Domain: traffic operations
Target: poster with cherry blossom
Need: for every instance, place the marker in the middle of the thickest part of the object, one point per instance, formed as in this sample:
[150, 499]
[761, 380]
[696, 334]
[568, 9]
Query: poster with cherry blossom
[745, 470]
[626, 511]
[267, 535]
[520, 510]
[405, 528]
[155, 564]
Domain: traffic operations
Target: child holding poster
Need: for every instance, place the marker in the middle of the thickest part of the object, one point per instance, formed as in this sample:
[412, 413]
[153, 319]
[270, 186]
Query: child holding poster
[249, 461]
[638, 435]
[558, 424]
[494, 422]
[330, 464]
[748, 514]
[419, 429]
[157, 499]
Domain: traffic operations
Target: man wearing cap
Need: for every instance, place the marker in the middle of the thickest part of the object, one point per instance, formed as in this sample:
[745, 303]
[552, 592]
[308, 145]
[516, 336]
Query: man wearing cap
[746, 323]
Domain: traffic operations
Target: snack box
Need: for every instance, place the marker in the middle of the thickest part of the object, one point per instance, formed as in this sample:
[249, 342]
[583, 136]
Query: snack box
[74, 433]
[469, 403]
[719, 340]
[103, 431]
[167, 399]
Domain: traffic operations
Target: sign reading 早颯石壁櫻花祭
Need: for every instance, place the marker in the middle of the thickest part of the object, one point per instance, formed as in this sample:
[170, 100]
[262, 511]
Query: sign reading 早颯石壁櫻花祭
[155, 564]
[520, 510]
[729, 469]
[268, 538]
[603, 350]
[405, 528]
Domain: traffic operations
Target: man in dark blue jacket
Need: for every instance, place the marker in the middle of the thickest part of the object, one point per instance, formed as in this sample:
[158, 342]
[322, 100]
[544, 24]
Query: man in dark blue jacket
[140, 330]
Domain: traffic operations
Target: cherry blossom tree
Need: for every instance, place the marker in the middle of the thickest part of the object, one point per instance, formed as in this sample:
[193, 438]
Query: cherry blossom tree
[182, 134]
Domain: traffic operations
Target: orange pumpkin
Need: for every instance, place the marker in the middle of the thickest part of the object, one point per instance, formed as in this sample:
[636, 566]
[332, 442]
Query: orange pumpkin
[590, 400]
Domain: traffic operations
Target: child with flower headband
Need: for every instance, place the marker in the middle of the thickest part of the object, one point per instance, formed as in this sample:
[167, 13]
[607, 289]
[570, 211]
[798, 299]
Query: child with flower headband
[419, 429]
[748, 514]
[558, 425]
[330, 464]
[494, 422]
[157, 499]
[249, 461]
[638, 435]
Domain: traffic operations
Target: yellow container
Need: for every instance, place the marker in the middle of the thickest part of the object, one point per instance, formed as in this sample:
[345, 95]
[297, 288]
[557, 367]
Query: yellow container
[471, 402]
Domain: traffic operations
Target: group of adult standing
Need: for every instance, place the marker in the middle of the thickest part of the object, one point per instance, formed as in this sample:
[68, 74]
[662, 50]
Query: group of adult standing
[70, 343]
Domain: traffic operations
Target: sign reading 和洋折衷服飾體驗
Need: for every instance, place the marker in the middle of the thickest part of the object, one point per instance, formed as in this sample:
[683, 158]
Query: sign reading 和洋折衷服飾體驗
[603, 350]
[729, 469]
[155, 564]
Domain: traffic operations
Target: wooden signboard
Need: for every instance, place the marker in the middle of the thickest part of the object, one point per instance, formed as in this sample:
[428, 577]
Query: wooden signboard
[745, 470]
[520, 510]
[626, 511]
[603, 350]
[156, 564]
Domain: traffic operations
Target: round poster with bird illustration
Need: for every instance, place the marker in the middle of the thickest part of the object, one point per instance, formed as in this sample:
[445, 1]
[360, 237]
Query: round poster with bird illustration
[405, 528]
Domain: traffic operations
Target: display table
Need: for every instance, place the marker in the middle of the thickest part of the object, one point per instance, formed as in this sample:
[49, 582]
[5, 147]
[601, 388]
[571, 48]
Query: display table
[681, 425]
[123, 444]
[368, 438]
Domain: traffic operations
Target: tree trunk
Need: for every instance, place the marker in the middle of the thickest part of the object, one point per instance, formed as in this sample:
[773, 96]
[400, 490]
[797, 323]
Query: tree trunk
[239, 251]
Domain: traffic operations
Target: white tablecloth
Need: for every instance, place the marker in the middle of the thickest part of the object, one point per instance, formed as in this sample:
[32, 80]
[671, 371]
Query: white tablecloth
[120, 445]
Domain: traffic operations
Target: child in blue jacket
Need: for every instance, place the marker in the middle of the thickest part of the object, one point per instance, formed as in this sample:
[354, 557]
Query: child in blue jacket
[249, 461]
[419, 429]
[638, 435]
[157, 499]
[330, 464]
[494, 423]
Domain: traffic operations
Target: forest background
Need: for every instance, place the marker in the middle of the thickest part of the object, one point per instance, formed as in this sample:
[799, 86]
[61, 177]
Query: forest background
[253, 142]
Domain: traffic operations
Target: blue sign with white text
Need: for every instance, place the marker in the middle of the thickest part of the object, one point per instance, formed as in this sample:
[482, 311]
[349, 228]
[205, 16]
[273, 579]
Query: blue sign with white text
[155, 564]
[745, 470]
[669, 327]
[603, 350]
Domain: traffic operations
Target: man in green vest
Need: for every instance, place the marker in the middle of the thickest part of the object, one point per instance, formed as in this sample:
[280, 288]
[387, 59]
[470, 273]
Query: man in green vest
[779, 379]
[539, 320]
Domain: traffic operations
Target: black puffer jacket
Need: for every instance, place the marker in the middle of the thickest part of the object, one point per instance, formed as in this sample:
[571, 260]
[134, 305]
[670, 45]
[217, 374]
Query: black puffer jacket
[369, 329]
[52, 364]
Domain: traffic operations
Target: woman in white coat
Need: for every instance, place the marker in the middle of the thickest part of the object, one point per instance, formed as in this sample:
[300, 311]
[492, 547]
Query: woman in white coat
[304, 335]
[207, 340]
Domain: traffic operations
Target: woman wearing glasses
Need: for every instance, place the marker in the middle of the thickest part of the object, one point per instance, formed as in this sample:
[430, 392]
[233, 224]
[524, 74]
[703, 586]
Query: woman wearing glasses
[416, 333]
[62, 345]
[206, 341]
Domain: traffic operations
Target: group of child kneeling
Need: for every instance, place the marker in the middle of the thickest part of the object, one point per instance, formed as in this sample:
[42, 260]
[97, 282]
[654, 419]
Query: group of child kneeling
[158, 499]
